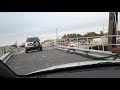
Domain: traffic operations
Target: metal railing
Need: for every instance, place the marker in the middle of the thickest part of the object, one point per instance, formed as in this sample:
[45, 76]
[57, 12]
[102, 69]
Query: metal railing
[90, 42]
[93, 54]
[8, 49]
[5, 53]
[3, 50]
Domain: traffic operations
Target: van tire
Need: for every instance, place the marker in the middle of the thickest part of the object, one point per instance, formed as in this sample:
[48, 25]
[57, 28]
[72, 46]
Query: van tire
[41, 48]
[26, 51]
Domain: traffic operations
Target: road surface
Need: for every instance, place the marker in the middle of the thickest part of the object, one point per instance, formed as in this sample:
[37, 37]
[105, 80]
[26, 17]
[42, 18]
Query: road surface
[28, 62]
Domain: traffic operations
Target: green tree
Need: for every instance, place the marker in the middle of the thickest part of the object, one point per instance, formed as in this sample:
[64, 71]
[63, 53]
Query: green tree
[101, 33]
[78, 35]
[65, 36]
[74, 35]
[90, 34]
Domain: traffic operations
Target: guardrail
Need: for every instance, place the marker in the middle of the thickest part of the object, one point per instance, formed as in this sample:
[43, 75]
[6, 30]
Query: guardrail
[5, 53]
[85, 50]
[3, 50]
[5, 57]
[89, 42]
[89, 52]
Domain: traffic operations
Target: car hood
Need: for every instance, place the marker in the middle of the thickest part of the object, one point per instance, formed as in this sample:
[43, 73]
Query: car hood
[74, 65]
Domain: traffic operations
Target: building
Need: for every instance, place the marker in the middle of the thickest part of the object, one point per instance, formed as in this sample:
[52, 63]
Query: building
[63, 42]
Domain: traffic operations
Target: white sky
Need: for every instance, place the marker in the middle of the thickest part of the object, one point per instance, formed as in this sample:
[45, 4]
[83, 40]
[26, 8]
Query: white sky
[19, 25]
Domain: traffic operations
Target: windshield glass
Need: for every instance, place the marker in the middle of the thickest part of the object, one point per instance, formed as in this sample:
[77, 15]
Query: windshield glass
[65, 37]
[32, 39]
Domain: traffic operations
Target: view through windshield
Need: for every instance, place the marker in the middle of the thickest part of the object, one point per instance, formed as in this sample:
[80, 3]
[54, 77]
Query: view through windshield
[31, 41]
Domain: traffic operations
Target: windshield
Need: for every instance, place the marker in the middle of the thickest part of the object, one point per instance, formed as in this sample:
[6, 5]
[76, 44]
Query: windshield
[32, 39]
[65, 37]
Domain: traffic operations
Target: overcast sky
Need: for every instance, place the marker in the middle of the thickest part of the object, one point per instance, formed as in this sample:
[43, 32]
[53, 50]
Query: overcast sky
[18, 25]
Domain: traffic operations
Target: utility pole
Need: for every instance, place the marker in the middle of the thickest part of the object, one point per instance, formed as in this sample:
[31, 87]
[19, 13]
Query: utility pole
[103, 39]
[16, 43]
[112, 29]
[103, 31]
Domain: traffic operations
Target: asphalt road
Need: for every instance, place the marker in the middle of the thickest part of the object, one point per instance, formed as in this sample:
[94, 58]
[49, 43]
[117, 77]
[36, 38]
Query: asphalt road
[28, 62]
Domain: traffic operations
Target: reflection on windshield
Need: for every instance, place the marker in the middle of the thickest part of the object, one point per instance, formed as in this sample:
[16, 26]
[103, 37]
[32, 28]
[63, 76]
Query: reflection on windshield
[57, 33]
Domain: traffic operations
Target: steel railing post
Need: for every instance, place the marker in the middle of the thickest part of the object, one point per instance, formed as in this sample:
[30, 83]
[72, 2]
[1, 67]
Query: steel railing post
[3, 51]
[77, 43]
[103, 44]
[87, 43]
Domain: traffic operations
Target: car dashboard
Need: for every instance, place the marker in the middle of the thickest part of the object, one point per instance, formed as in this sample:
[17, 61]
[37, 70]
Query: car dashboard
[101, 72]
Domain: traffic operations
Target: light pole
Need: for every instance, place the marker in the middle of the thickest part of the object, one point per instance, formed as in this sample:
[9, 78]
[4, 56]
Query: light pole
[56, 37]
[103, 39]
[103, 31]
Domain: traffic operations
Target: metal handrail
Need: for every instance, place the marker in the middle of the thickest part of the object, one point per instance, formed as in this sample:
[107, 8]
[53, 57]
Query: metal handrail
[106, 54]
[95, 36]
[4, 50]
[90, 44]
